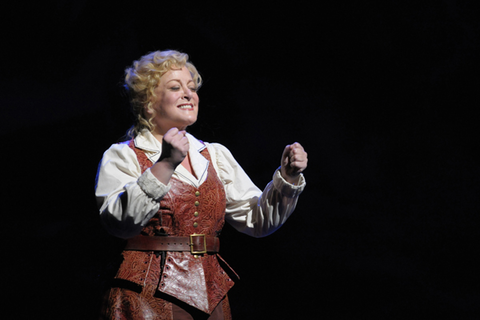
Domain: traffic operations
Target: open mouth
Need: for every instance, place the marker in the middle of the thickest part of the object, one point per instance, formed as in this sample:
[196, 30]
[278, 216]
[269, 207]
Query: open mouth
[186, 107]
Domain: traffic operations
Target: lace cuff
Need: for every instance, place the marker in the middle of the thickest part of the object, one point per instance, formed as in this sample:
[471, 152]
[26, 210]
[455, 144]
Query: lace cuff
[152, 186]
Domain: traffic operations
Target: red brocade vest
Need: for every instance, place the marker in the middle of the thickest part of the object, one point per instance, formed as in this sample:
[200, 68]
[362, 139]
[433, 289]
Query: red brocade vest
[199, 281]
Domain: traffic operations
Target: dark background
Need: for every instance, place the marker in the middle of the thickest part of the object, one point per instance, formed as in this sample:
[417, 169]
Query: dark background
[383, 96]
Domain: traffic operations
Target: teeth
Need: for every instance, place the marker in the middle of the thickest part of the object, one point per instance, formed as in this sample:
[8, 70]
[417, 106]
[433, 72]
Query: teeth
[186, 107]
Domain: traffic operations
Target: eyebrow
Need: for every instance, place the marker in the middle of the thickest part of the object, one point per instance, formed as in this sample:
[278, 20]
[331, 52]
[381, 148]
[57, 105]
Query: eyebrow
[178, 80]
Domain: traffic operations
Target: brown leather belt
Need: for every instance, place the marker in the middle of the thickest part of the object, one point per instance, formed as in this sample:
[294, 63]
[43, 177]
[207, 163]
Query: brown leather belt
[195, 244]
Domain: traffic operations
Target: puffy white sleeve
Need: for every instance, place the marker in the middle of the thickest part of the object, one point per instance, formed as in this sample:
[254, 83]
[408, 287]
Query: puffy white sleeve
[249, 210]
[127, 198]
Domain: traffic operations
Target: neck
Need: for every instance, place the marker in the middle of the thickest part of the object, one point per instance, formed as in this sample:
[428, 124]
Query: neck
[157, 136]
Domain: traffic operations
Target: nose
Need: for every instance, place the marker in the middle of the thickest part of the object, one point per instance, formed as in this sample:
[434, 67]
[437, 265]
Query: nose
[187, 93]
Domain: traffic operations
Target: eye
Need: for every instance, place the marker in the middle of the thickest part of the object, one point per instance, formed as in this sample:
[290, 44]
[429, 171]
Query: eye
[193, 89]
[176, 88]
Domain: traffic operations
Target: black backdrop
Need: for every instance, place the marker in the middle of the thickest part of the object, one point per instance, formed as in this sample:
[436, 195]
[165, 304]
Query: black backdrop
[382, 95]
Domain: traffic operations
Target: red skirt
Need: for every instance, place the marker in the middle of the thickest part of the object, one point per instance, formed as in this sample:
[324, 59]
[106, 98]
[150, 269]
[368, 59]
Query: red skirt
[131, 304]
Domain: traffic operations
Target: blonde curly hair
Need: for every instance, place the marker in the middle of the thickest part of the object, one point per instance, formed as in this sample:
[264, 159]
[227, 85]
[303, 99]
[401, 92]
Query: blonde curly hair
[143, 77]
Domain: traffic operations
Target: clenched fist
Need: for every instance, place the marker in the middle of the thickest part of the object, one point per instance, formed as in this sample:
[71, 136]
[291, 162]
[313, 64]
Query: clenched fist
[294, 161]
[174, 147]
[174, 150]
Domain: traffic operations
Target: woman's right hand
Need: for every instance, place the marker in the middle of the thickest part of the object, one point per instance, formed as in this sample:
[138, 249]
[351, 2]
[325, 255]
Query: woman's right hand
[174, 150]
[174, 147]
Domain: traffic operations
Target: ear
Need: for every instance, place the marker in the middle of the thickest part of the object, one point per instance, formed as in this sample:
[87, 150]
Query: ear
[147, 111]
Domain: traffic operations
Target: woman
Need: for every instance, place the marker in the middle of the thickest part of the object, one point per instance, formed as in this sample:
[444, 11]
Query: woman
[169, 194]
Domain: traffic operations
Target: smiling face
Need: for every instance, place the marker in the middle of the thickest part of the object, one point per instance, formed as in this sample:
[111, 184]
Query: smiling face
[176, 104]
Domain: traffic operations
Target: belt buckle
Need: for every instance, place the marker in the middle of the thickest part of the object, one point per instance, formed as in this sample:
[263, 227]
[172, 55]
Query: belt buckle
[192, 250]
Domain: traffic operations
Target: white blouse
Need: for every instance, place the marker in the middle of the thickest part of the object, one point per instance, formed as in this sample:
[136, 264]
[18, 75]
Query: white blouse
[128, 199]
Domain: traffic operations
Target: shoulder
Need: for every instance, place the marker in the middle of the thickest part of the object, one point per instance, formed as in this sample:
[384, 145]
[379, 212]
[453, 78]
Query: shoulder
[219, 154]
[121, 150]
[222, 158]
[218, 149]
[116, 147]
[213, 147]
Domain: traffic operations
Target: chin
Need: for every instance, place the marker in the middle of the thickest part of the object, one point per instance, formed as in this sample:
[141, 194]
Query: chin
[191, 121]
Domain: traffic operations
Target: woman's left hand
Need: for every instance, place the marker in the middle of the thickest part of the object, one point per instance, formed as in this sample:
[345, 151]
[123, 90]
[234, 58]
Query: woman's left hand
[294, 162]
